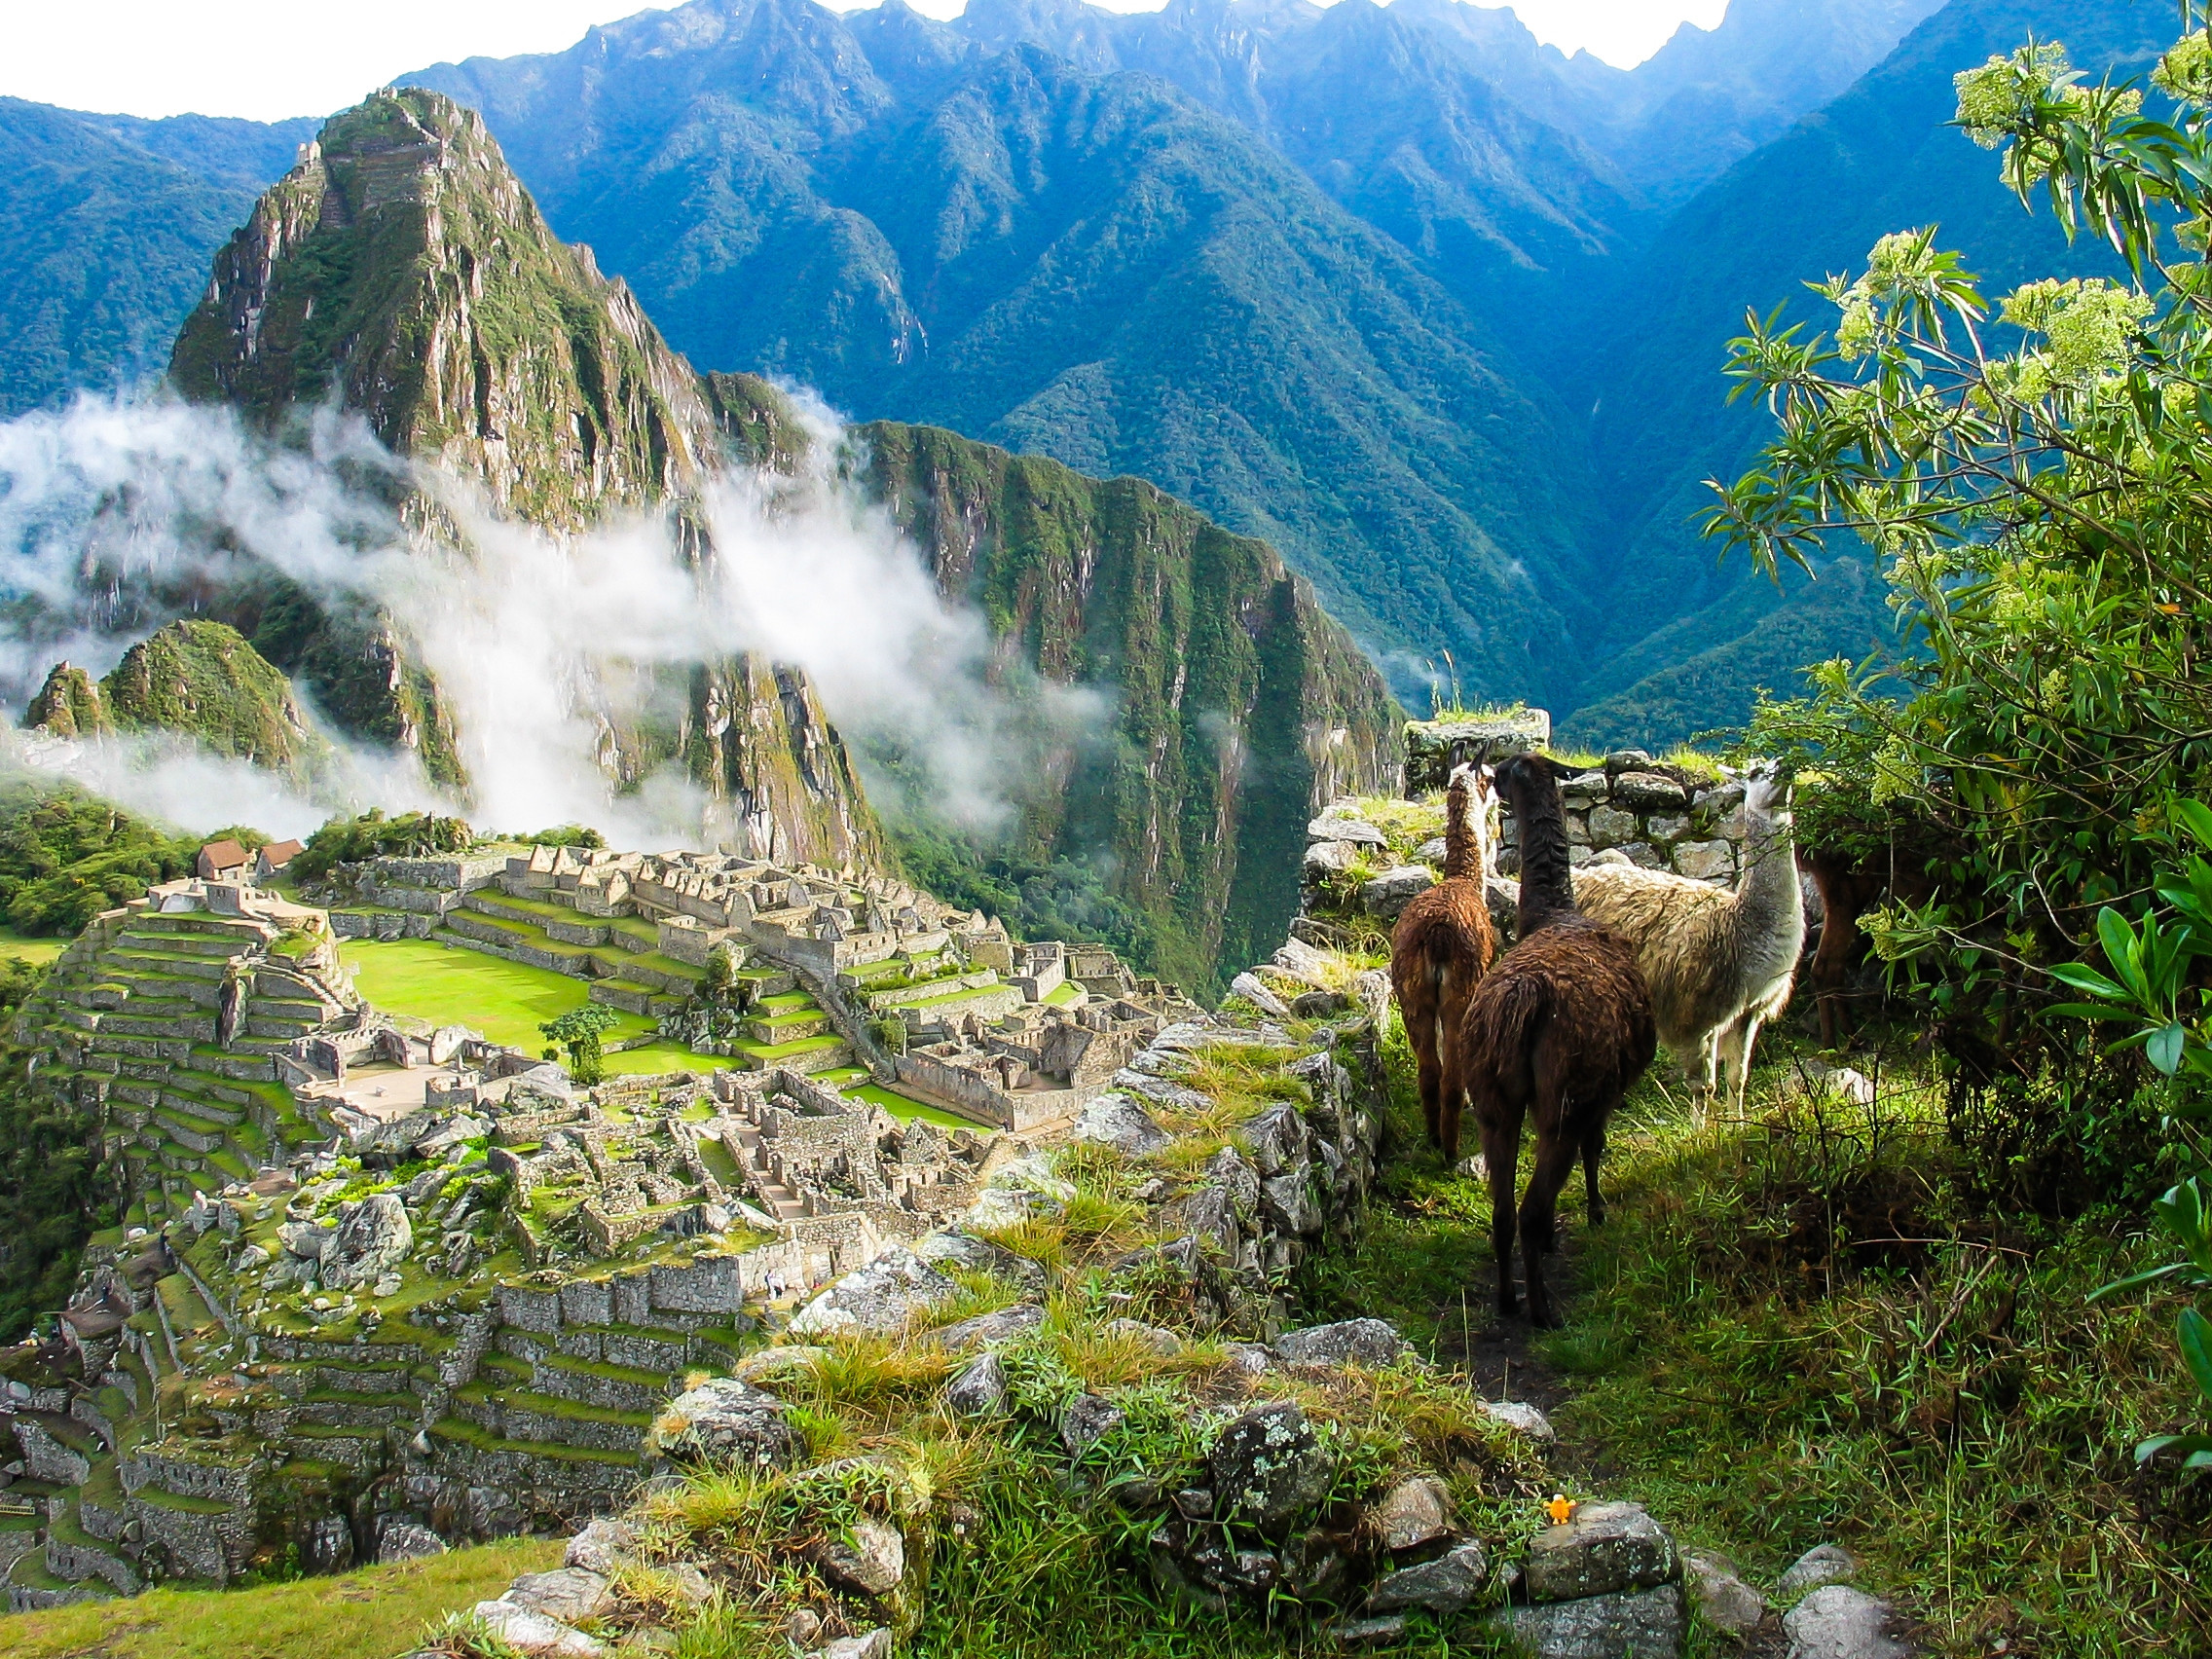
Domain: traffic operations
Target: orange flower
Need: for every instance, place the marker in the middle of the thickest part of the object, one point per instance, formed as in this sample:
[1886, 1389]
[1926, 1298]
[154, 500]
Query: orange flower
[1561, 1509]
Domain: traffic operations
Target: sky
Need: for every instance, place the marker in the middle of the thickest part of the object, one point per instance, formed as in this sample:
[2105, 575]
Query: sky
[156, 58]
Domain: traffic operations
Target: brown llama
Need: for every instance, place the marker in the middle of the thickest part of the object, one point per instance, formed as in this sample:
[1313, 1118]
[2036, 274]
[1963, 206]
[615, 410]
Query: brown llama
[1444, 944]
[1850, 885]
[1559, 1028]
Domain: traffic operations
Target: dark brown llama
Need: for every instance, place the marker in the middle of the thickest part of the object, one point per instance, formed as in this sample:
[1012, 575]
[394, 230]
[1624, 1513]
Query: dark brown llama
[1850, 884]
[1559, 1029]
[1444, 944]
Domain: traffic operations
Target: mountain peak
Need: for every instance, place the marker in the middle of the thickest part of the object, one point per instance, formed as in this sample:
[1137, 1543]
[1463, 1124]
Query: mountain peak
[401, 265]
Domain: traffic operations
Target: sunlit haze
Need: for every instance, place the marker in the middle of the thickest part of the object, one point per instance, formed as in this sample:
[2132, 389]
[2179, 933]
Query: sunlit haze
[158, 57]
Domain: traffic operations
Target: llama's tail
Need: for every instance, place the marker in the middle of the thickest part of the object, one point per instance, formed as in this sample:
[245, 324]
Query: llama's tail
[1505, 1022]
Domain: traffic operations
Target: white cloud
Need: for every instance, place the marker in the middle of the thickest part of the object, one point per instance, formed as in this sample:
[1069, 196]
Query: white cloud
[156, 58]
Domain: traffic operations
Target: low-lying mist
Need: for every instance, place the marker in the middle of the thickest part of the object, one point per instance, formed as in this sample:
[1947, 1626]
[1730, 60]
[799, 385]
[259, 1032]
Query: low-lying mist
[538, 641]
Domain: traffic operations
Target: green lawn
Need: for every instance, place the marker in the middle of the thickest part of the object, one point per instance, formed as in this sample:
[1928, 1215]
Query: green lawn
[506, 1001]
[899, 1106]
[38, 952]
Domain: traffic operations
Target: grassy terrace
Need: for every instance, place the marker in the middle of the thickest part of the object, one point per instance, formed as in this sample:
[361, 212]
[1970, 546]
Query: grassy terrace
[370, 1614]
[506, 1001]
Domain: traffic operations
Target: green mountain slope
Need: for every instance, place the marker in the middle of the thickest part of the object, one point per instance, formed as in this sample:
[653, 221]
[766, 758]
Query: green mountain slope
[1089, 268]
[203, 679]
[1237, 704]
[105, 229]
[1681, 631]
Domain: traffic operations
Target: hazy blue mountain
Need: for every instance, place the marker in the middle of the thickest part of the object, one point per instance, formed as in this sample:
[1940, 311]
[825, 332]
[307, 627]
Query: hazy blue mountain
[1881, 158]
[106, 224]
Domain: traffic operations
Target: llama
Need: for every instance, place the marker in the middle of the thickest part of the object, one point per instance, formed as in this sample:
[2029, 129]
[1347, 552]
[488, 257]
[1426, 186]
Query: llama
[1720, 964]
[1444, 944]
[1560, 1026]
[1849, 887]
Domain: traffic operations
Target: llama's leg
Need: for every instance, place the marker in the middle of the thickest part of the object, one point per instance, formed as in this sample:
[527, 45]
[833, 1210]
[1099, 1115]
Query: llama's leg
[1736, 1055]
[1556, 1156]
[1594, 1154]
[1501, 1151]
[1430, 1070]
[1702, 1077]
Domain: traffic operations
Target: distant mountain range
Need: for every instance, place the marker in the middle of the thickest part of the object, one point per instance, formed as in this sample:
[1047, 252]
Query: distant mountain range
[1436, 310]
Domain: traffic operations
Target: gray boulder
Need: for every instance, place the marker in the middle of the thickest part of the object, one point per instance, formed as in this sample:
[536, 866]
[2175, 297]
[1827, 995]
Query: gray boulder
[373, 1236]
[1413, 1513]
[569, 1594]
[980, 1390]
[1228, 1170]
[1330, 858]
[305, 1239]
[534, 1633]
[1388, 894]
[1332, 827]
[1442, 1586]
[1161, 1090]
[601, 1547]
[407, 1541]
[723, 1421]
[1648, 792]
[875, 1645]
[877, 1299]
[872, 1557]
[1369, 1343]
[1269, 1467]
[1521, 1417]
[1822, 1564]
[1837, 1622]
[991, 1330]
[761, 1369]
[1640, 1624]
[1605, 1549]
[1115, 1120]
[1724, 1599]
[951, 1250]
[1254, 990]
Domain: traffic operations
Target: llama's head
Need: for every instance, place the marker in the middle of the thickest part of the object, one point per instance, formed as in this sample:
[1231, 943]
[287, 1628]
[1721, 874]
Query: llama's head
[1766, 796]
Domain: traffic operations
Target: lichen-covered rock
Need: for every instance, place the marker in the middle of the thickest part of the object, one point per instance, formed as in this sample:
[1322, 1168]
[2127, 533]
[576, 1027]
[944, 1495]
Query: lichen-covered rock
[1086, 1420]
[877, 1299]
[980, 1390]
[723, 1421]
[1269, 1467]
[1115, 1120]
[763, 1368]
[1838, 1622]
[950, 1249]
[1605, 1549]
[1648, 792]
[1369, 1343]
[875, 1644]
[1520, 1416]
[1255, 991]
[1640, 1624]
[1445, 1585]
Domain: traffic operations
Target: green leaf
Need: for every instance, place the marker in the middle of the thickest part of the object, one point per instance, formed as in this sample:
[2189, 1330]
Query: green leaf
[2198, 1446]
[2084, 978]
[2195, 817]
[2163, 1047]
[2196, 1333]
[2148, 1276]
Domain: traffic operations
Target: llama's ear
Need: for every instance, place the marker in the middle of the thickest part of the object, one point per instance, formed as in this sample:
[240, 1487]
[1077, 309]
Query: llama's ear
[1556, 769]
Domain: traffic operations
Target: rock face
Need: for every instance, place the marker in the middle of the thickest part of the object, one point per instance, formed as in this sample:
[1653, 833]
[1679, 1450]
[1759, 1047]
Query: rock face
[372, 1239]
[1118, 1121]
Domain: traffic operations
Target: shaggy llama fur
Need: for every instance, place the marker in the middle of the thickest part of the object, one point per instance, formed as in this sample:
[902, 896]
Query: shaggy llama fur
[1720, 964]
[1444, 944]
[1558, 1030]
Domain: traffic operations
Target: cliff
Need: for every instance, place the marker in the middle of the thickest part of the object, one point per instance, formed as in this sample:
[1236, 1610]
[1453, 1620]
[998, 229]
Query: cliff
[1239, 707]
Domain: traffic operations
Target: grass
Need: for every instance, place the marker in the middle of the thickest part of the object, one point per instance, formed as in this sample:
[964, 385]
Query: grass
[369, 1614]
[900, 1106]
[506, 1001]
[1800, 1328]
[38, 952]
